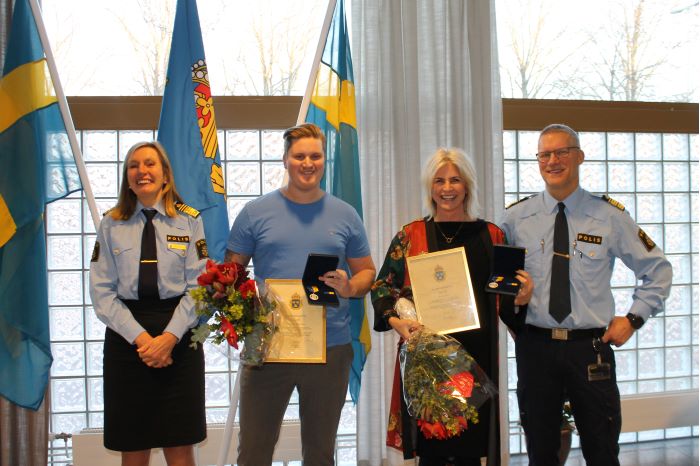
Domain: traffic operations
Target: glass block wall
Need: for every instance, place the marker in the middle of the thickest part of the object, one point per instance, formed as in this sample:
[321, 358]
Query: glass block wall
[252, 166]
[655, 176]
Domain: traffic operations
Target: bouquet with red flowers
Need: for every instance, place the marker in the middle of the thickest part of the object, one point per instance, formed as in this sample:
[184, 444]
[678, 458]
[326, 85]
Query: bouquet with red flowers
[443, 385]
[232, 311]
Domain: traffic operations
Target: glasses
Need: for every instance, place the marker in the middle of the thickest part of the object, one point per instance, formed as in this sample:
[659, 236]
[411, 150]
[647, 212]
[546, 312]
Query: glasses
[562, 154]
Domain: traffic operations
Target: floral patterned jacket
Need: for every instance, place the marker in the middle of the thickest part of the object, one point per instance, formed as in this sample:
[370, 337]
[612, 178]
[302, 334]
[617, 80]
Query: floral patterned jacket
[393, 282]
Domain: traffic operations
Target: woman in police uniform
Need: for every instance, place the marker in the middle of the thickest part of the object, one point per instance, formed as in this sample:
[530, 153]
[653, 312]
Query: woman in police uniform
[150, 249]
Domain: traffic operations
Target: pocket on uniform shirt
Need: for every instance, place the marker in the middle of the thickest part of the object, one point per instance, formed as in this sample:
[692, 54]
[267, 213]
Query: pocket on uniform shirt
[590, 261]
[124, 256]
[174, 261]
[179, 249]
[533, 260]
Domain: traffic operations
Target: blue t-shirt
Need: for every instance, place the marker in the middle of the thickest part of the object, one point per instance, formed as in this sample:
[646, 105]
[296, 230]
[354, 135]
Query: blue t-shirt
[279, 235]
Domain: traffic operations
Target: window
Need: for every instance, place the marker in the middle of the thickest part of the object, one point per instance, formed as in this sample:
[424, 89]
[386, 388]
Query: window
[615, 50]
[252, 161]
[654, 176]
[253, 48]
[631, 50]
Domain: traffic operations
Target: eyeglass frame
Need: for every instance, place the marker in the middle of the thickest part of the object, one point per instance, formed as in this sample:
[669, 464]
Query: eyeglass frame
[562, 154]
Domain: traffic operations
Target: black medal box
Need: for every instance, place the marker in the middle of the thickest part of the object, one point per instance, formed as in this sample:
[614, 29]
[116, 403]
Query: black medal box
[318, 292]
[506, 261]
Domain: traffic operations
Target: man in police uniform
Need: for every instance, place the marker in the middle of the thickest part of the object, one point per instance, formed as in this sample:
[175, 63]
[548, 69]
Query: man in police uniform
[563, 349]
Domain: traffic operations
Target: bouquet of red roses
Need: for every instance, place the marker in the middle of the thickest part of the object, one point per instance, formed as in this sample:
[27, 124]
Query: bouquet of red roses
[232, 311]
[443, 385]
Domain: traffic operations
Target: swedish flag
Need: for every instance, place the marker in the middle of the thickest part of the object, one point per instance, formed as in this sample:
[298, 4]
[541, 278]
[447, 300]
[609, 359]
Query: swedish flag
[187, 128]
[37, 168]
[332, 108]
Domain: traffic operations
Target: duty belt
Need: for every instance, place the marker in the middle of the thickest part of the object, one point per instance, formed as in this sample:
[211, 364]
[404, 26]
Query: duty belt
[566, 334]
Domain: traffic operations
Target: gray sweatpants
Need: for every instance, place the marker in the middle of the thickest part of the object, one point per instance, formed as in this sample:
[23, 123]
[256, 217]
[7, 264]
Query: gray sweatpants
[265, 393]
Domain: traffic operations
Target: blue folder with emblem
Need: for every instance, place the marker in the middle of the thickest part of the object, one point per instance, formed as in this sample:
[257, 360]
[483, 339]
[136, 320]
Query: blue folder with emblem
[506, 261]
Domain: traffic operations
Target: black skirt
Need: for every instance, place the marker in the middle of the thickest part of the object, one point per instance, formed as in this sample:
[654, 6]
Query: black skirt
[147, 407]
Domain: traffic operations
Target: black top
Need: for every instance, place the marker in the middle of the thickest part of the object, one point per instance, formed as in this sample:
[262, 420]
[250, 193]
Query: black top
[480, 343]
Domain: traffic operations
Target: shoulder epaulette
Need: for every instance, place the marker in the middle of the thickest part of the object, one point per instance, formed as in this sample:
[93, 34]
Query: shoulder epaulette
[185, 209]
[612, 202]
[520, 200]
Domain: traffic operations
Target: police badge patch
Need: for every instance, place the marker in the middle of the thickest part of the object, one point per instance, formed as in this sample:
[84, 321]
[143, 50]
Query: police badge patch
[202, 251]
[95, 252]
[648, 243]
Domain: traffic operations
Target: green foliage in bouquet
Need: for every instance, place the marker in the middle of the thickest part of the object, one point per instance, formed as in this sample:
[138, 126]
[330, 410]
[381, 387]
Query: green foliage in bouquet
[443, 385]
[228, 304]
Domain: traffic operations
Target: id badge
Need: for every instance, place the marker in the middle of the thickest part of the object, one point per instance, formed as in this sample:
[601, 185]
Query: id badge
[598, 371]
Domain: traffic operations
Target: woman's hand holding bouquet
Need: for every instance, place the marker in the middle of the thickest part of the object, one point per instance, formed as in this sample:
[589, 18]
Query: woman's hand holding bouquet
[443, 385]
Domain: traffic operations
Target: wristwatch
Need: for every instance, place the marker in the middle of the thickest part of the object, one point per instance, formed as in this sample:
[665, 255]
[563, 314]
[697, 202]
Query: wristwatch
[635, 320]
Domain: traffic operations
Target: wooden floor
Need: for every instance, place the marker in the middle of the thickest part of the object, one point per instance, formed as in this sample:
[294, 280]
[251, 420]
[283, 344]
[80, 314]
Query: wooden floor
[676, 452]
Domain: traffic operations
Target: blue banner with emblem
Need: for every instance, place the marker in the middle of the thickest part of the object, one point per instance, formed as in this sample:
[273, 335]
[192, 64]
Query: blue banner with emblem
[187, 128]
[37, 168]
[332, 108]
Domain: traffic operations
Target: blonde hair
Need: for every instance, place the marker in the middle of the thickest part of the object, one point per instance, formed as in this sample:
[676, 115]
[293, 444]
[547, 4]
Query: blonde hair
[126, 203]
[306, 130]
[467, 172]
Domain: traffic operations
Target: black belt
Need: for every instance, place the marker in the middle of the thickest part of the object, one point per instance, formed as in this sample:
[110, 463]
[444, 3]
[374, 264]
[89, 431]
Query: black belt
[166, 305]
[566, 334]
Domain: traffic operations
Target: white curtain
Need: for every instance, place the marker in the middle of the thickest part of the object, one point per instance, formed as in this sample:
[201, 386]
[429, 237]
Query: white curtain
[426, 75]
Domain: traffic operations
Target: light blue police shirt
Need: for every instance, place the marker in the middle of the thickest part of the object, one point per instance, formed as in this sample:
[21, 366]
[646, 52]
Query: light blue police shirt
[114, 268]
[599, 231]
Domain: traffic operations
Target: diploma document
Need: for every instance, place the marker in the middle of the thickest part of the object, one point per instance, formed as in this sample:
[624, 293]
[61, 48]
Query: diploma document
[442, 291]
[301, 327]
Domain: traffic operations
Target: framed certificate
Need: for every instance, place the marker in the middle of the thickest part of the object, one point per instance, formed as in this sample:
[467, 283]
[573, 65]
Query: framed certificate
[301, 328]
[442, 291]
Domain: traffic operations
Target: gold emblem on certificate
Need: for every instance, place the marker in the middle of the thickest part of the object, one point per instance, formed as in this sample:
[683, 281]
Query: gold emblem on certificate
[442, 291]
[439, 273]
[301, 327]
[295, 302]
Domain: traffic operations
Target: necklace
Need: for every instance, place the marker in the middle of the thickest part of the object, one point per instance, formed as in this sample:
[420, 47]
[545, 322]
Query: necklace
[449, 239]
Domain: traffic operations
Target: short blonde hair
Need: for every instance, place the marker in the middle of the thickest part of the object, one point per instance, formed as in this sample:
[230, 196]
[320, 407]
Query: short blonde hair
[126, 203]
[467, 172]
[305, 130]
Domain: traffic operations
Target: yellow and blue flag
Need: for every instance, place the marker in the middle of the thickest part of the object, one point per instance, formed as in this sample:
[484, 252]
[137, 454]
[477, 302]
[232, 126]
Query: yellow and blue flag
[37, 167]
[332, 108]
[187, 128]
